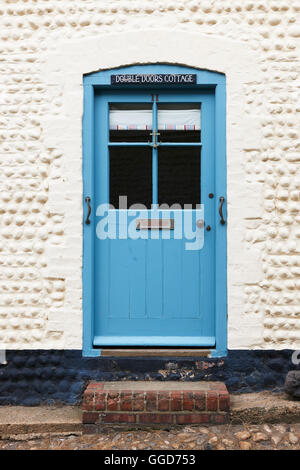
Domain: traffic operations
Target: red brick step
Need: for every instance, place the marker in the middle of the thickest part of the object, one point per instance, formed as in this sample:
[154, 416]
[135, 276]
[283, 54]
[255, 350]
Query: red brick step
[163, 403]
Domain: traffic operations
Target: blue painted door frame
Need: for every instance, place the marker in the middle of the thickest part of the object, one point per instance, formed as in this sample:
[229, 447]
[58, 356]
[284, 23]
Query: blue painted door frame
[208, 85]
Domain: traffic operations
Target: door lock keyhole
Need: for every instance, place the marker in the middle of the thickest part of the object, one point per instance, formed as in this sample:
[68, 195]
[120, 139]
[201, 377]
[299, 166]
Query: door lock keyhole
[200, 223]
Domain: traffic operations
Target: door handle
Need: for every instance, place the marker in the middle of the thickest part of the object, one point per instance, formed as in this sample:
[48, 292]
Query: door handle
[88, 200]
[222, 200]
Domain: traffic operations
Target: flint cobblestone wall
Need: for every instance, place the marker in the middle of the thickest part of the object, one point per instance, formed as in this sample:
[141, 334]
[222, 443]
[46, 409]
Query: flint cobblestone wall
[35, 377]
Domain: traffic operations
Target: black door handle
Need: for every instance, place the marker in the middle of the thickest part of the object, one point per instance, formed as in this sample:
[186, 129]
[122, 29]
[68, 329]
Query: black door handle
[222, 200]
[88, 200]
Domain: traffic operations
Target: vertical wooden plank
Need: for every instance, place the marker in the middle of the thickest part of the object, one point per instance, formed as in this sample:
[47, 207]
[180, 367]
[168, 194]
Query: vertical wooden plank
[119, 279]
[172, 294]
[154, 279]
[137, 275]
[191, 284]
[102, 284]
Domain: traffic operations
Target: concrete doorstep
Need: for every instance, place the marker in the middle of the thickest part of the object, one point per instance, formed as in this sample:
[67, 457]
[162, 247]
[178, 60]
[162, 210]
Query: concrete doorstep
[17, 422]
[39, 420]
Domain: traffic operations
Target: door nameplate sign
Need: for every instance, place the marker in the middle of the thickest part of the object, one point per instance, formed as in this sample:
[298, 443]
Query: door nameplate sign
[154, 78]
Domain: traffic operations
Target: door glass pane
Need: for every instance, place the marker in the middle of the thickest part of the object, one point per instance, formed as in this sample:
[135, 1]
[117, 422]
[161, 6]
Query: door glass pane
[130, 174]
[179, 171]
[130, 122]
[178, 122]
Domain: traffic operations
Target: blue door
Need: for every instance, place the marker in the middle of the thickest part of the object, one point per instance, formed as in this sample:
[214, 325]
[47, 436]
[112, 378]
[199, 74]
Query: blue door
[155, 237]
[154, 274]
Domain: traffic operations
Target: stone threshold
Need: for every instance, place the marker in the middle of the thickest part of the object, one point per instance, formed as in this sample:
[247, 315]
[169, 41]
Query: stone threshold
[155, 352]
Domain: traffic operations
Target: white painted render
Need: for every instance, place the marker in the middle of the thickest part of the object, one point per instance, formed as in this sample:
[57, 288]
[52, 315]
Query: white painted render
[46, 47]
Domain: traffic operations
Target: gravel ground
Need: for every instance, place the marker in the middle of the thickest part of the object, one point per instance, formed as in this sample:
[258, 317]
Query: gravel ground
[227, 437]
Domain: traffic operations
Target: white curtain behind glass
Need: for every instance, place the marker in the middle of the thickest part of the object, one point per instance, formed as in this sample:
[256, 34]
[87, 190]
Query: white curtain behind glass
[168, 119]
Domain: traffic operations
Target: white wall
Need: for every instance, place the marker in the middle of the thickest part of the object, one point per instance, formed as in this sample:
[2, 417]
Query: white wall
[46, 47]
